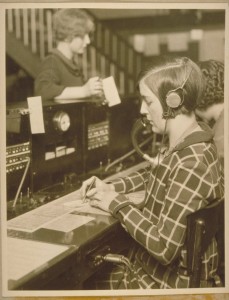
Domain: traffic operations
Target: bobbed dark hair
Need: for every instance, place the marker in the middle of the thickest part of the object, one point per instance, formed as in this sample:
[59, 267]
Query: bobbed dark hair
[170, 74]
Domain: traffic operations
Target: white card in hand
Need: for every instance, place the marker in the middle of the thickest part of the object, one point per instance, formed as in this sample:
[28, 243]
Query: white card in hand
[110, 91]
[36, 115]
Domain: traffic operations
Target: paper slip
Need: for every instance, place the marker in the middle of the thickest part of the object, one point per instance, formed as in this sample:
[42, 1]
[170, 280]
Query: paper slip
[85, 207]
[110, 91]
[68, 223]
[75, 203]
[88, 209]
[36, 115]
[25, 256]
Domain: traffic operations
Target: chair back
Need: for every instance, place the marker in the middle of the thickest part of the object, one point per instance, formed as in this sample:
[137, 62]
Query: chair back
[202, 226]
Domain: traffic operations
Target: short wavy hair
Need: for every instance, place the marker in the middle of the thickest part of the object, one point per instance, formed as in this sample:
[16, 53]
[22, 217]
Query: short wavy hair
[70, 22]
[171, 73]
[213, 75]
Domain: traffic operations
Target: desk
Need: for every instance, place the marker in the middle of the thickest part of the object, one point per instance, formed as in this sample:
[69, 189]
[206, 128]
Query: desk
[61, 258]
[70, 238]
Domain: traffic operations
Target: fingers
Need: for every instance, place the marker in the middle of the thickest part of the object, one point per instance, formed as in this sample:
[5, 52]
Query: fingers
[91, 192]
[95, 86]
[89, 183]
[97, 195]
[98, 204]
[94, 203]
[93, 186]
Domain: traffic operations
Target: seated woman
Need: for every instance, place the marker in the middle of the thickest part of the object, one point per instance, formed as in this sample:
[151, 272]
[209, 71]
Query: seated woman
[211, 107]
[60, 76]
[187, 179]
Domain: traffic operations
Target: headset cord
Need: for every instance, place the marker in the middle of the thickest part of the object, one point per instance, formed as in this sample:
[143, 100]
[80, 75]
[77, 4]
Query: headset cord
[156, 169]
[120, 159]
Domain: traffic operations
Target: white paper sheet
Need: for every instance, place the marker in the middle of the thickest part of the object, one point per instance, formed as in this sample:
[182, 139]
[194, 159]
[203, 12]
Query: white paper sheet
[68, 222]
[36, 115]
[25, 256]
[35, 219]
[92, 210]
[110, 91]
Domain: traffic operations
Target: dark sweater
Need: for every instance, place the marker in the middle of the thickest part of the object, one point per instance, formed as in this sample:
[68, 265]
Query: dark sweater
[57, 73]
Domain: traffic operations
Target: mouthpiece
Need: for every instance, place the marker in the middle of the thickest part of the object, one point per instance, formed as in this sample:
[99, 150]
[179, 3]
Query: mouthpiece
[144, 121]
[138, 127]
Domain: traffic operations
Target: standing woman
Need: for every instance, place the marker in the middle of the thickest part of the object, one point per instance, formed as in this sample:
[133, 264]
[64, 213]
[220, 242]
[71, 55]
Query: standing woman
[60, 76]
[187, 179]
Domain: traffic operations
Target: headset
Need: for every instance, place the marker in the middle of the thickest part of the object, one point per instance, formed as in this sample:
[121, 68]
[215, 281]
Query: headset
[175, 98]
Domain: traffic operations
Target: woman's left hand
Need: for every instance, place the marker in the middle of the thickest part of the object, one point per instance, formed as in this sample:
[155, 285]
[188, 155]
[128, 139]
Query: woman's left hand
[103, 199]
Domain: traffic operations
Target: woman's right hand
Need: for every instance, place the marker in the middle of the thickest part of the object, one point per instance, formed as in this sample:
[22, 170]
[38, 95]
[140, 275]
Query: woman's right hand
[93, 87]
[97, 186]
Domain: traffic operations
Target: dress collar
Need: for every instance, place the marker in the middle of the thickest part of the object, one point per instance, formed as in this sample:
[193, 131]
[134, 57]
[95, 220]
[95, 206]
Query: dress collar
[72, 64]
[204, 135]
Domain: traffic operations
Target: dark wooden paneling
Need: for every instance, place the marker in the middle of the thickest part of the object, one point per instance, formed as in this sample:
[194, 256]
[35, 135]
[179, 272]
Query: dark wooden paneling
[22, 55]
[174, 22]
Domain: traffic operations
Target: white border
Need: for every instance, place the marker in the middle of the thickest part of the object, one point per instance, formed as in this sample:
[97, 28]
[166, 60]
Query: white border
[105, 5]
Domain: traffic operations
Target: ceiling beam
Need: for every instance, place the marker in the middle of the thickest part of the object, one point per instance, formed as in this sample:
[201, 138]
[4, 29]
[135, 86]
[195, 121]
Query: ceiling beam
[175, 21]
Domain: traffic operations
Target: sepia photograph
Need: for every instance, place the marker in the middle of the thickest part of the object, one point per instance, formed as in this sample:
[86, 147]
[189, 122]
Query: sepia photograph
[114, 149]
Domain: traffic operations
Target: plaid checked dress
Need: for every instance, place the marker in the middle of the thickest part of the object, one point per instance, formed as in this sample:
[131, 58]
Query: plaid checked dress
[186, 180]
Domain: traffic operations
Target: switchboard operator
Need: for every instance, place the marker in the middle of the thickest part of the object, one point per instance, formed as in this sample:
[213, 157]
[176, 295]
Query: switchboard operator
[211, 107]
[60, 76]
[187, 179]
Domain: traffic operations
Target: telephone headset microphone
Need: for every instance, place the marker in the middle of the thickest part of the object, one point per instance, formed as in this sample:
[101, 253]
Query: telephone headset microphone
[139, 125]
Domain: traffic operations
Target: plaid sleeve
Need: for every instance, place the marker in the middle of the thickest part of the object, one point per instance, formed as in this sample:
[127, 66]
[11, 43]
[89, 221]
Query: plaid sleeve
[134, 182]
[186, 189]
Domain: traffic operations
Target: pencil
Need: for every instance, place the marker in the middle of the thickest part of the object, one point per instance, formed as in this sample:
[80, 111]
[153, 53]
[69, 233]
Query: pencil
[88, 189]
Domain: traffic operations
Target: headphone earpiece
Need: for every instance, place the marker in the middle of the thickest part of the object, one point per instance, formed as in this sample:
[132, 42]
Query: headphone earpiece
[173, 99]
